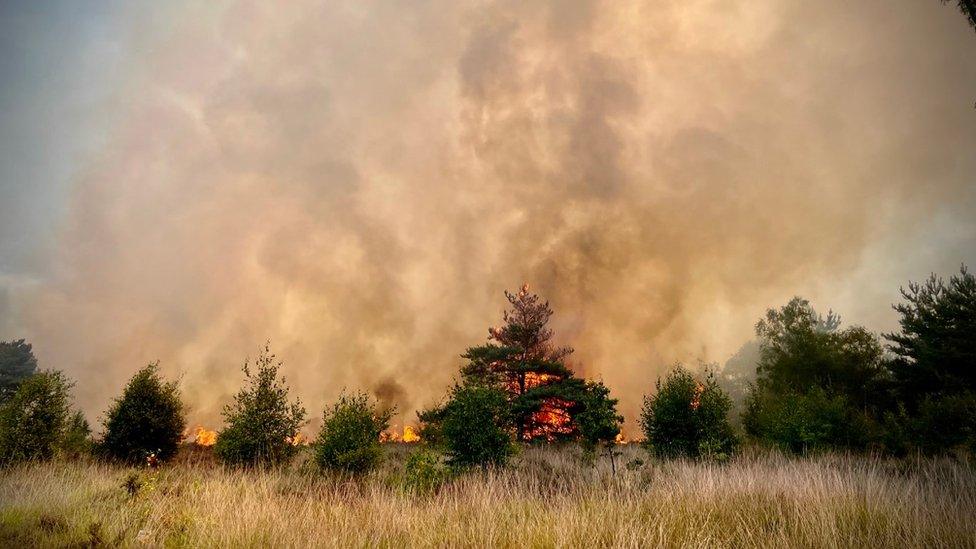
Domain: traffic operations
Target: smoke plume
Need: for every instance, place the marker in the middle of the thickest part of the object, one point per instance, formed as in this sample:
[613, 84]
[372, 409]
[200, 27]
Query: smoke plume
[358, 182]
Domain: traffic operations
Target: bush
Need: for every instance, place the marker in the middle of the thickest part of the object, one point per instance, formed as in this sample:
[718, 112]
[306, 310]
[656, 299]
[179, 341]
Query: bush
[599, 422]
[33, 420]
[76, 440]
[350, 437]
[799, 422]
[424, 472]
[260, 423]
[148, 419]
[689, 418]
[476, 426]
[946, 423]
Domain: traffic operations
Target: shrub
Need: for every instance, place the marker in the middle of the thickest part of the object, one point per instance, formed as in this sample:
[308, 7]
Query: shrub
[945, 423]
[476, 426]
[33, 420]
[599, 422]
[799, 422]
[687, 417]
[147, 419]
[261, 423]
[76, 440]
[424, 472]
[350, 437]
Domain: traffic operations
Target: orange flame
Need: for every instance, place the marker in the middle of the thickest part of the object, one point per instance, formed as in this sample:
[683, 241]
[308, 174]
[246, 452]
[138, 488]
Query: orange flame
[393, 435]
[696, 400]
[551, 420]
[298, 440]
[204, 437]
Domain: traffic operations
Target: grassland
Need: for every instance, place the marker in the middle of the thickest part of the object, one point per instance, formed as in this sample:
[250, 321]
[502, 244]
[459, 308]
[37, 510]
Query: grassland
[548, 498]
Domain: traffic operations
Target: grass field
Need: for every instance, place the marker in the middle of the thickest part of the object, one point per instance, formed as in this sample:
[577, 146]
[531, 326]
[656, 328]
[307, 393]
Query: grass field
[548, 498]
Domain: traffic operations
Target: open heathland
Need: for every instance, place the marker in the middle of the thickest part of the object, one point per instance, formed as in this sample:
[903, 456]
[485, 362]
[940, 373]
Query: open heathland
[548, 497]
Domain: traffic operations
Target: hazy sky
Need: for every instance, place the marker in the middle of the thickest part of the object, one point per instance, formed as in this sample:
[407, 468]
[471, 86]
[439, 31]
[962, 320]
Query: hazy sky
[357, 182]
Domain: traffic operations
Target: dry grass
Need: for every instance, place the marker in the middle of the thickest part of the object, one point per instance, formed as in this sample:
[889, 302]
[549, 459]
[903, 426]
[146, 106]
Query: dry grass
[547, 499]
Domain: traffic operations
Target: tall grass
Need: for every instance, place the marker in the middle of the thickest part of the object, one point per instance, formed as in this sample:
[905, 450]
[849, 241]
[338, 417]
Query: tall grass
[548, 498]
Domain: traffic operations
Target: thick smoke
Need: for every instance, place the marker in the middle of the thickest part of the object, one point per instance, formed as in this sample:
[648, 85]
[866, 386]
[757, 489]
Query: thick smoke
[357, 182]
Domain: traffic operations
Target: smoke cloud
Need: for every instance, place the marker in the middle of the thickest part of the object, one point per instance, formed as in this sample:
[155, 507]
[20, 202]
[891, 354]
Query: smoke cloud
[358, 182]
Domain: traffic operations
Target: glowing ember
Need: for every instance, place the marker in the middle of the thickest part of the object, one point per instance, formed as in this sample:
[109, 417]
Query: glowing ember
[696, 400]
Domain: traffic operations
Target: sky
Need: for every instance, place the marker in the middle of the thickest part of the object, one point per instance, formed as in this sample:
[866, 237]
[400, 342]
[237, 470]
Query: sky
[358, 182]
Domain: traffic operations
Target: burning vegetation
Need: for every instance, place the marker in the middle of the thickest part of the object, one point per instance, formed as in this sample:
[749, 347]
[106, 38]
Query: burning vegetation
[204, 437]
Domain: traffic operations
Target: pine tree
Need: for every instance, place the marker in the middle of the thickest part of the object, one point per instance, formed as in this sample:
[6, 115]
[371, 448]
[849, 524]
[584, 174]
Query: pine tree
[261, 423]
[520, 358]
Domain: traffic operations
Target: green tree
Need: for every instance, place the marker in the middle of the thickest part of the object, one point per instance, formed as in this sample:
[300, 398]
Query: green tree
[521, 360]
[476, 426]
[817, 385]
[33, 420]
[599, 422]
[688, 417]
[935, 352]
[350, 437]
[261, 423]
[800, 350]
[148, 419]
[17, 363]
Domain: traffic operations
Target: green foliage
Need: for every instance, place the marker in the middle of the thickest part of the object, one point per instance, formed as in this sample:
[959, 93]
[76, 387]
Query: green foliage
[476, 426]
[431, 421]
[521, 361]
[599, 422]
[350, 437]
[424, 472]
[147, 419]
[76, 439]
[33, 420]
[17, 363]
[801, 350]
[945, 423]
[801, 422]
[818, 386]
[936, 349]
[261, 421]
[687, 417]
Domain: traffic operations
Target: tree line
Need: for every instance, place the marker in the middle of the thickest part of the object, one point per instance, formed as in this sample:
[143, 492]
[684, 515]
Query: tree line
[817, 386]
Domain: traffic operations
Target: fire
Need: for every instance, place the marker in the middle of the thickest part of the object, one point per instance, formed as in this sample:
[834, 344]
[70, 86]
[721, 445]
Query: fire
[409, 435]
[551, 420]
[620, 439]
[204, 437]
[298, 440]
[696, 400]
